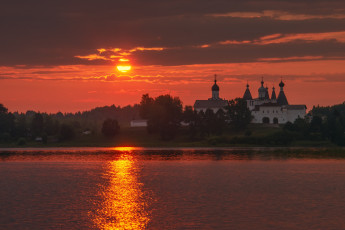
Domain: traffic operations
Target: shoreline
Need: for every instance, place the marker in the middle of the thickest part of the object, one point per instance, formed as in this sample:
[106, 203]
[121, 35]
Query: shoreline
[129, 148]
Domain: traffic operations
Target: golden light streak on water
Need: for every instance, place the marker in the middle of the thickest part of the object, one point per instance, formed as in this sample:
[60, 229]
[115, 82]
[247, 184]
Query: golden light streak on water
[124, 149]
[124, 204]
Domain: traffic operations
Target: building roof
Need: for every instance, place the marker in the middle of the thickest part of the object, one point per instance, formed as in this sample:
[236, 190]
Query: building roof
[282, 98]
[247, 95]
[211, 104]
[296, 107]
[268, 104]
[273, 97]
[267, 96]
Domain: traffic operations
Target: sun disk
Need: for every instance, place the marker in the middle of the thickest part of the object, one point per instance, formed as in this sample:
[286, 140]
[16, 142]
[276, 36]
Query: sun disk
[124, 68]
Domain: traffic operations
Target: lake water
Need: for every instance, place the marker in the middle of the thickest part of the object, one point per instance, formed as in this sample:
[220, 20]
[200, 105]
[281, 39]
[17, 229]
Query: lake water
[129, 188]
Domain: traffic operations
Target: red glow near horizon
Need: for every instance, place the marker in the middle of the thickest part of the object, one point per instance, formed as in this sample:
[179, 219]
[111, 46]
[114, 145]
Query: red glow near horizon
[85, 87]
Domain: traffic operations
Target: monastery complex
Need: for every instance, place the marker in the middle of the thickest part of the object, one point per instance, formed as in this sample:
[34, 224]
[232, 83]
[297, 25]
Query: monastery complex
[265, 108]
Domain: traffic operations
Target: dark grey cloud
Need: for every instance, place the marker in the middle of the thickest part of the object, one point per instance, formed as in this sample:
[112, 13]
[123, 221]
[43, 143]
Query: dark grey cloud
[54, 32]
[242, 53]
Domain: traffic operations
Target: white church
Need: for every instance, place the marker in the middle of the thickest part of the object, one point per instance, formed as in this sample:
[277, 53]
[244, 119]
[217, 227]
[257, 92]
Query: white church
[264, 109]
[214, 103]
[272, 110]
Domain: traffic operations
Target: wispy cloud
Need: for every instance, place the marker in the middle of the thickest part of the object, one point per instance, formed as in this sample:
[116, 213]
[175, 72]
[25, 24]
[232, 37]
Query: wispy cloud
[278, 15]
[92, 57]
[146, 48]
[308, 37]
[116, 54]
[338, 36]
[270, 47]
[291, 58]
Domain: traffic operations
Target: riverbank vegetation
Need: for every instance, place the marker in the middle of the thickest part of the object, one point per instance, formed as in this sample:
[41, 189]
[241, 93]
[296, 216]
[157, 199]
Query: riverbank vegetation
[169, 125]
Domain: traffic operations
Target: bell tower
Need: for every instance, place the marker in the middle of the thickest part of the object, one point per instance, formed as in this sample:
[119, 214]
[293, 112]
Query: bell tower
[215, 89]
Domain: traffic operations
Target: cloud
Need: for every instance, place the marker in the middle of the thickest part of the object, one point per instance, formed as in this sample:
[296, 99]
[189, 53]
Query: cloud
[273, 47]
[117, 54]
[244, 53]
[84, 32]
[291, 58]
[92, 57]
[338, 36]
[279, 15]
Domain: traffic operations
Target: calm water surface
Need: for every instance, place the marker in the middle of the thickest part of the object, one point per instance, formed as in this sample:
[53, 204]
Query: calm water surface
[169, 189]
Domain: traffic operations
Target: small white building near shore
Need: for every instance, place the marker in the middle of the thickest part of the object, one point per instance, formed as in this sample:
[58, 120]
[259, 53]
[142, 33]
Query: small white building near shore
[138, 123]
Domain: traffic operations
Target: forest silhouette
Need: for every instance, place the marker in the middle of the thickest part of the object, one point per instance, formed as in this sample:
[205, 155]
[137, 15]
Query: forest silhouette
[168, 121]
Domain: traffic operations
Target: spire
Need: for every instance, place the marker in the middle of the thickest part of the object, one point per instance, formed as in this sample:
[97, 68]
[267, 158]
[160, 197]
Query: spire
[273, 97]
[282, 100]
[267, 96]
[215, 87]
[262, 82]
[247, 95]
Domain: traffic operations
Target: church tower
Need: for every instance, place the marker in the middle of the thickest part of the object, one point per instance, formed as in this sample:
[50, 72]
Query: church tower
[281, 97]
[262, 90]
[273, 97]
[267, 96]
[215, 103]
[247, 95]
[215, 89]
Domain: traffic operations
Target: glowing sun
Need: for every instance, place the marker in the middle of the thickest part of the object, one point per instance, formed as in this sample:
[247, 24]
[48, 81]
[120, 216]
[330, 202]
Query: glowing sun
[124, 68]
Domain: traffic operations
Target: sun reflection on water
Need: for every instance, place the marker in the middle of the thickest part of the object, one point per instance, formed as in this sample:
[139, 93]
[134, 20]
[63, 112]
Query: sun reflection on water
[124, 149]
[124, 202]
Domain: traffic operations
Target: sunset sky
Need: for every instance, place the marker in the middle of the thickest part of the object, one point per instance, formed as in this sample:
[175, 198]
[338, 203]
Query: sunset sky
[63, 55]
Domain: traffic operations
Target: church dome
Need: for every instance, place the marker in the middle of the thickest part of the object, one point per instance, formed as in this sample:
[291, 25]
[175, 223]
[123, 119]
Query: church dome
[281, 84]
[215, 87]
[262, 89]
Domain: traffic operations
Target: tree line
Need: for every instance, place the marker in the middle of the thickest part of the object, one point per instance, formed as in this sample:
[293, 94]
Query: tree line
[165, 115]
[58, 127]
[321, 124]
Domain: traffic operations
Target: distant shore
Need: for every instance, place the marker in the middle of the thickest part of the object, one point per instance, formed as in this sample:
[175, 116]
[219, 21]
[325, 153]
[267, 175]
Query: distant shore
[338, 152]
[261, 139]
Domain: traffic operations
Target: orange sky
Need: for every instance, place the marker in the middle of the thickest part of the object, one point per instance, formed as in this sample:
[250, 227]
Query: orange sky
[85, 87]
[63, 57]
